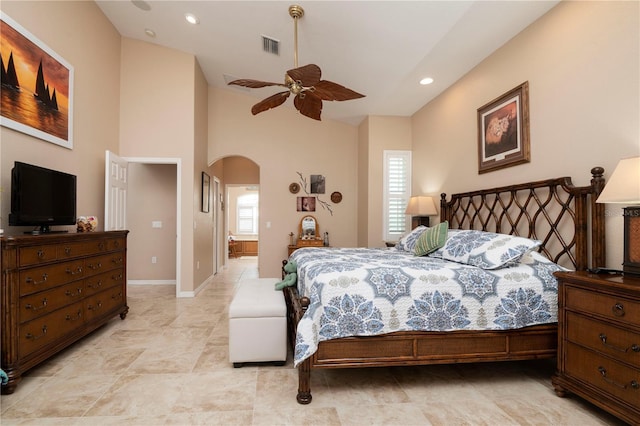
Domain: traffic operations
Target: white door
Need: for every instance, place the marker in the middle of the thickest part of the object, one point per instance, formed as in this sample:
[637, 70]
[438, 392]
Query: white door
[115, 192]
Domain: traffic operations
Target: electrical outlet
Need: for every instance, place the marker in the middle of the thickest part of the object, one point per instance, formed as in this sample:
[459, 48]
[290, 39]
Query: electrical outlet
[198, 264]
[154, 259]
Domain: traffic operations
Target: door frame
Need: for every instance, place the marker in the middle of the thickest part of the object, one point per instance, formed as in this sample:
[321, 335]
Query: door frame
[178, 163]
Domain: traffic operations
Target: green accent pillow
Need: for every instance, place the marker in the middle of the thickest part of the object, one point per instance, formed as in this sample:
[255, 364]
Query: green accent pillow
[431, 239]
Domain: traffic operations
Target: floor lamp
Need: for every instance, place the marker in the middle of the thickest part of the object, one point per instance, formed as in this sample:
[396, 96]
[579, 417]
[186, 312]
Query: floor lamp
[420, 208]
[623, 187]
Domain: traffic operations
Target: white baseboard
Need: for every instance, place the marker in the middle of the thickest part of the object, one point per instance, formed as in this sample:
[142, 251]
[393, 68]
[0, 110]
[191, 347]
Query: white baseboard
[151, 282]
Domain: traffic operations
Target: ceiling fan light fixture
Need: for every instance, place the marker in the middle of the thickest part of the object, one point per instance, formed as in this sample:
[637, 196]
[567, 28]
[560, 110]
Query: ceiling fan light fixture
[303, 82]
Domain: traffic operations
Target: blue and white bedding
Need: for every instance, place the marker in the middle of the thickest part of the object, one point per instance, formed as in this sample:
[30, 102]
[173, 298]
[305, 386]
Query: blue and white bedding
[365, 292]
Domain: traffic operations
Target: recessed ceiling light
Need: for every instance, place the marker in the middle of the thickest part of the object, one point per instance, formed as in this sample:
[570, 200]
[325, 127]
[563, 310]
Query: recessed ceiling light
[426, 80]
[191, 18]
[149, 32]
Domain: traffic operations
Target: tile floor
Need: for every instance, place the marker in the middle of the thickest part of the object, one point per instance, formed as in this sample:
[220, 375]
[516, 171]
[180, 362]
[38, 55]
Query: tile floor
[166, 364]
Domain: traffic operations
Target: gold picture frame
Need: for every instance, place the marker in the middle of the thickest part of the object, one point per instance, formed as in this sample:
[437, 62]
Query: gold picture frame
[503, 130]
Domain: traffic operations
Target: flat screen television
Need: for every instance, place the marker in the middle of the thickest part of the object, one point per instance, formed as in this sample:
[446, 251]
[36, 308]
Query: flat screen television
[41, 197]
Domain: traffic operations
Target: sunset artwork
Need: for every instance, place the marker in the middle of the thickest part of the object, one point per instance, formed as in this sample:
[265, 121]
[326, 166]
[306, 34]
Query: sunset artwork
[37, 86]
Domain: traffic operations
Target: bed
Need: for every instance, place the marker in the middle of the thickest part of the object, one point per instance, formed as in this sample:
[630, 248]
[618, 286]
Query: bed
[552, 224]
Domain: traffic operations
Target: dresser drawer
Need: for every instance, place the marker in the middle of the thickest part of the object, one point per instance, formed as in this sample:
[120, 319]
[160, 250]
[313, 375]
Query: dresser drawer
[622, 344]
[38, 304]
[37, 333]
[103, 302]
[46, 277]
[617, 379]
[116, 243]
[36, 255]
[98, 264]
[104, 281]
[609, 306]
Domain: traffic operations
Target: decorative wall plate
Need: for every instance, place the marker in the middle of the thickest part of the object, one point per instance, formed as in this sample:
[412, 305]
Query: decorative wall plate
[336, 197]
[294, 188]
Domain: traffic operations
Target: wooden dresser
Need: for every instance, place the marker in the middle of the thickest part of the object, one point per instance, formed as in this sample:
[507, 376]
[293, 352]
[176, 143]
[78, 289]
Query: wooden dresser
[599, 341]
[56, 289]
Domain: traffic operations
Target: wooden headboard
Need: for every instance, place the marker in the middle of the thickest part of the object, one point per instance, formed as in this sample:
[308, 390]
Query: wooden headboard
[564, 217]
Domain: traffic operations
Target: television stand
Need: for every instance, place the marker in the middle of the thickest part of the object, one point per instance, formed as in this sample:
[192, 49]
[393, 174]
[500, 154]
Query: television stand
[44, 229]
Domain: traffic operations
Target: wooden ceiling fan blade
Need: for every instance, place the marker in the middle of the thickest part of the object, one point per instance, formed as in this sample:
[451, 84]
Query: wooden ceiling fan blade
[270, 102]
[254, 84]
[308, 105]
[330, 91]
[308, 75]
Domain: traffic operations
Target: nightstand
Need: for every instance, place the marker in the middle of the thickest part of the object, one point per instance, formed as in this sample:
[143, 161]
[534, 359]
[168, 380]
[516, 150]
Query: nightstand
[599, 341]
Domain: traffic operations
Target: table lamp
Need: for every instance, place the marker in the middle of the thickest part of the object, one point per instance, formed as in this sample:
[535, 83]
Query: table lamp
[623, 187]
[420, 208]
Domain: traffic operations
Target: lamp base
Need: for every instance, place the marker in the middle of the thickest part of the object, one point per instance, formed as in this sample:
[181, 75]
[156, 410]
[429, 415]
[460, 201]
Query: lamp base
[419, 220]
[631, 260]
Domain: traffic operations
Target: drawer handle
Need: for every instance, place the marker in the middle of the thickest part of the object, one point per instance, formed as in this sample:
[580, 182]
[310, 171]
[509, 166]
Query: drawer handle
[634, 347]
[117, 261]
[40, 254]
[67, 251]
[77, 293]
[30, 280]
[116, 277]
[95, 308]
[76, 318]
[618, 310]
[116, 243]
[101, 245]
[116, 296]
[96, 285]
[603, 371]
[76, 272]
[34, 308]
[95, 266]
[32, 337]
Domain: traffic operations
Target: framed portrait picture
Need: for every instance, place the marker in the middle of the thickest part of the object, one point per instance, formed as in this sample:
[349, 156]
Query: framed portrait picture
[306, 204]
[206, 190]
[503, 130]
[37, 86]
[317, 184]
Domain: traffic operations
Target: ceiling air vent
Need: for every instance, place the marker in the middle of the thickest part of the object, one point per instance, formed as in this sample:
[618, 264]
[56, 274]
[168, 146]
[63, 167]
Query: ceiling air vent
[270, 45]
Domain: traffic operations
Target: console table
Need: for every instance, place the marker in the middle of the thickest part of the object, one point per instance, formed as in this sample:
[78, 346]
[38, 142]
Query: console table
[56, 289]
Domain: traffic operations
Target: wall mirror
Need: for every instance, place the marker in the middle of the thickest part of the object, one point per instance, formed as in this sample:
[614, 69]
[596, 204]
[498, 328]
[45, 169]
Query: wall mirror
[308, 227]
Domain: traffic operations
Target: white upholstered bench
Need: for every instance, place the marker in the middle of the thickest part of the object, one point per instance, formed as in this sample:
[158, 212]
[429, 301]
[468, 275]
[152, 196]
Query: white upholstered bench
[258, 323]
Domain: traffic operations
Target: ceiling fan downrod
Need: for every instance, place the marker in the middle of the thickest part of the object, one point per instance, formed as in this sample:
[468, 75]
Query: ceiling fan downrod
[296, 12]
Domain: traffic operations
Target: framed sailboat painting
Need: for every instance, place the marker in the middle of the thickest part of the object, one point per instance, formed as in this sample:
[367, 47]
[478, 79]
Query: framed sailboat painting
[37, 86]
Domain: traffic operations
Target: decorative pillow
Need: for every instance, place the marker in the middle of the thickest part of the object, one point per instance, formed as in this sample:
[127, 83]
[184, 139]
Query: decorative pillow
[408, 242]
[486, 250]
[431, 239]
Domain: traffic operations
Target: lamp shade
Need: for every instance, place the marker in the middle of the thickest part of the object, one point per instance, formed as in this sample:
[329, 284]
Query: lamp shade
[624, 184]
[421, 206]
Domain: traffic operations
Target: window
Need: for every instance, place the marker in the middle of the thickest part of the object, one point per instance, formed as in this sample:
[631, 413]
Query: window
[397, 191]
[247, 211]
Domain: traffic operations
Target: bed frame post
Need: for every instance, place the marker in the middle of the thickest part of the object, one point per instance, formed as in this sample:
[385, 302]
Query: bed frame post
[304, 382]
[598, 248]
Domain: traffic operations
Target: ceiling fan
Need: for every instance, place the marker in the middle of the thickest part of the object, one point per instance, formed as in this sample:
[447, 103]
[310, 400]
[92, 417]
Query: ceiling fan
[304, 82]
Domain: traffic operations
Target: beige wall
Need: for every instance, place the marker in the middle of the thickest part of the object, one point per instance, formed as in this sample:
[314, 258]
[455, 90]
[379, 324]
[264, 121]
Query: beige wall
[152, 189]
[282, 142]
[158, 119]
[582, 63]
[384, 133]
[95, 57]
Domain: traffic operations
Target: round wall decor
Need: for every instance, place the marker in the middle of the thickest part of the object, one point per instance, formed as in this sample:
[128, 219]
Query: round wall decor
[294, 188]
[336, 197]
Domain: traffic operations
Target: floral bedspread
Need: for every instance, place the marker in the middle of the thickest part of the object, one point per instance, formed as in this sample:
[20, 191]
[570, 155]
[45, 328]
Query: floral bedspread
[364, 292]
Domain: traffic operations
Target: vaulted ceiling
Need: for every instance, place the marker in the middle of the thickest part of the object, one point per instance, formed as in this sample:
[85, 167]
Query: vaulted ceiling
[381, 49]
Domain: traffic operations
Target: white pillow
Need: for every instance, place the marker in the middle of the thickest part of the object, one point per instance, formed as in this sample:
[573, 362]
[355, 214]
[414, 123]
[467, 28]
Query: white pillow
[486, 250]
[408, 242]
